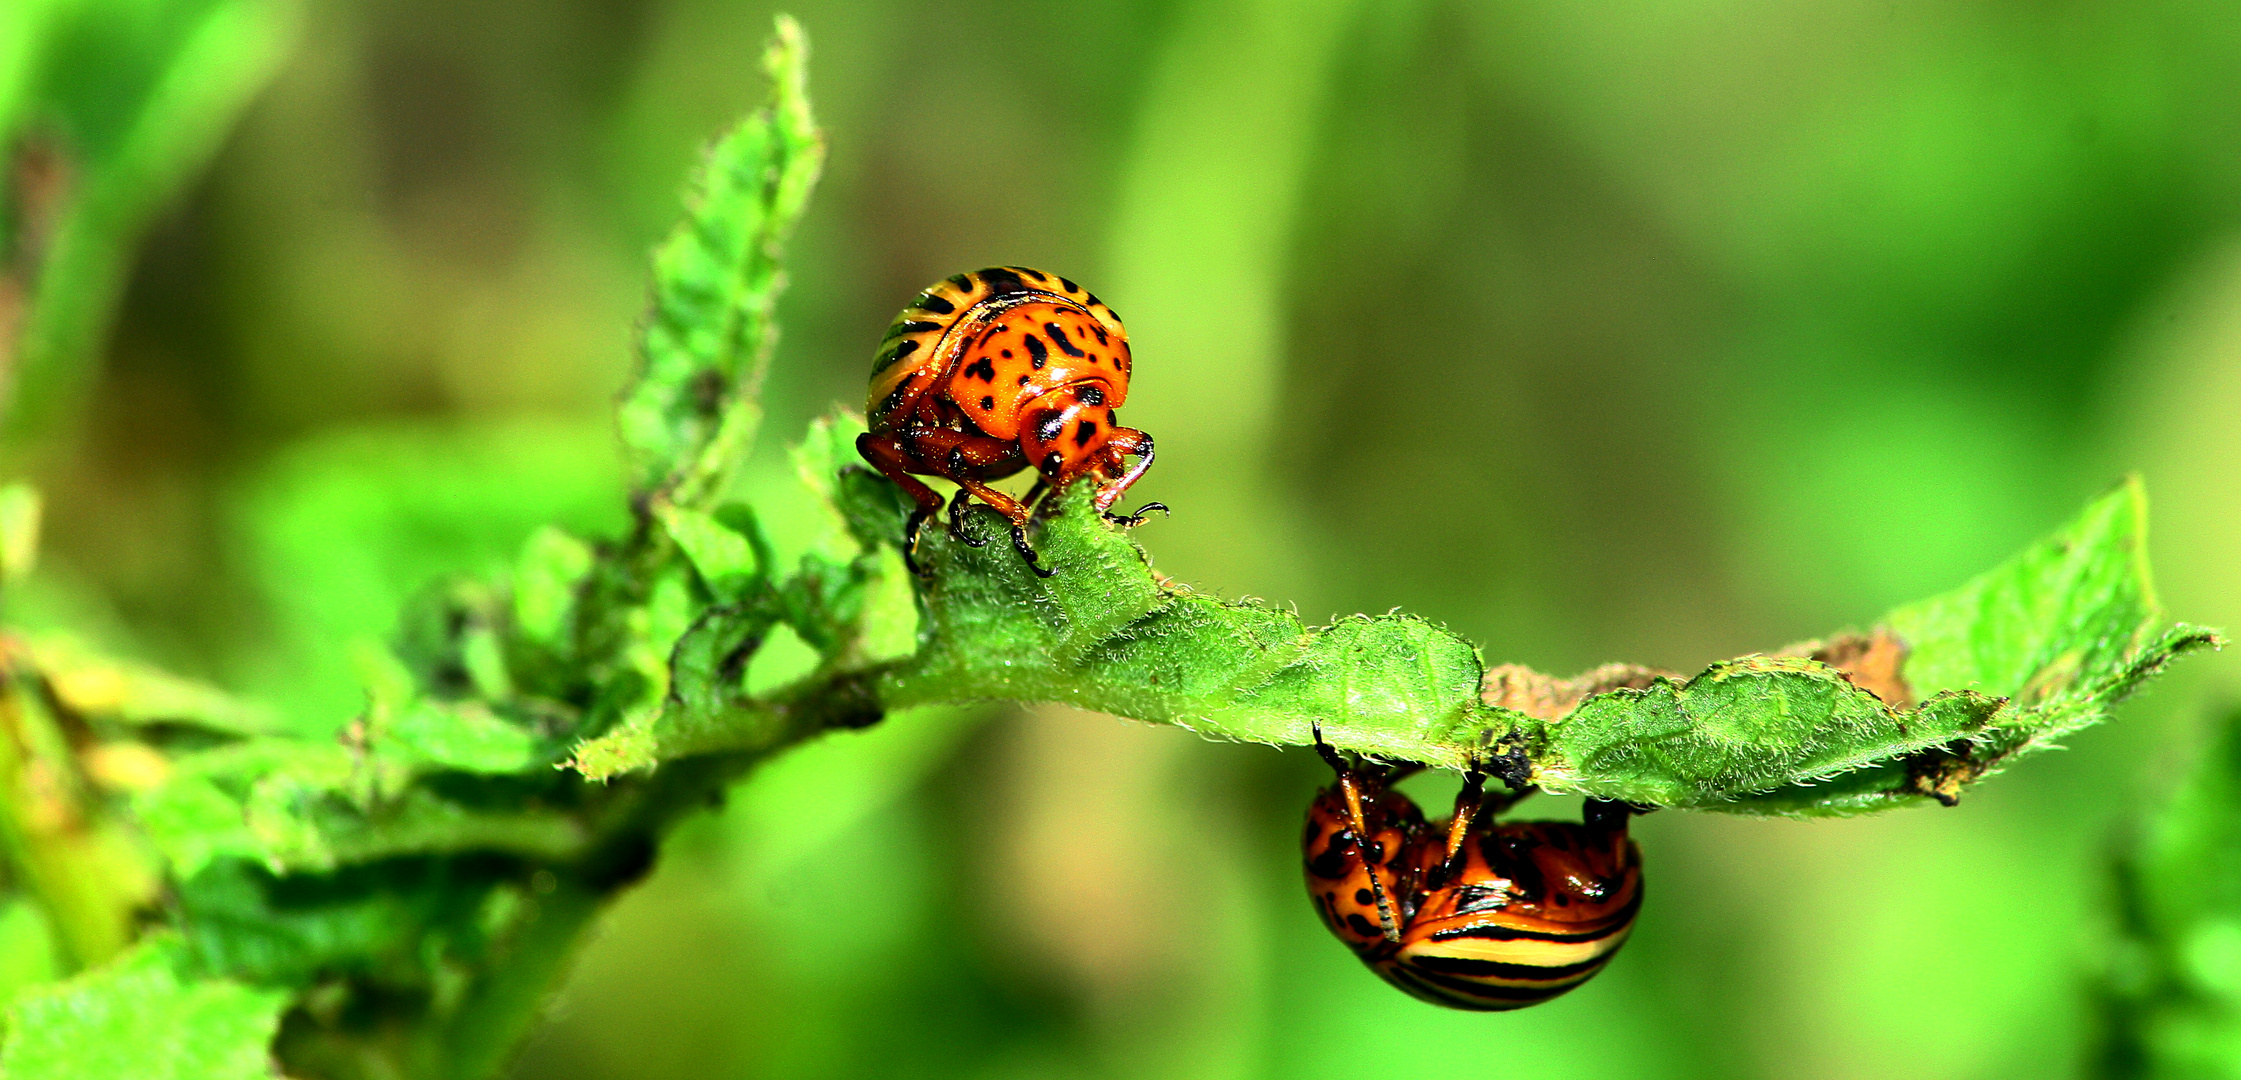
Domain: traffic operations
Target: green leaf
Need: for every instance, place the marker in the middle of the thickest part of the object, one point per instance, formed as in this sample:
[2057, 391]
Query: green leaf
[448, 958]
[725, 558]
[142, 1017]
[709, 330]
[2061, 633]
[2040, 646]
[708, 681]
[310, 806]
[1102, 633]
[466, 736]
[767, 666]
[2066, 629]
[1744, 726]
[546, 578]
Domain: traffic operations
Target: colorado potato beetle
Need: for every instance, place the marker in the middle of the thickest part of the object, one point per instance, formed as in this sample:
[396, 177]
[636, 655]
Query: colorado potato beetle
[1467, 913]
[992, 372]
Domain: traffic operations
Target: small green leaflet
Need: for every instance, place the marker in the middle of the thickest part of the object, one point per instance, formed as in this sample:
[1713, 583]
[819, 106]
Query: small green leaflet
[141, 1017]
[692, 410]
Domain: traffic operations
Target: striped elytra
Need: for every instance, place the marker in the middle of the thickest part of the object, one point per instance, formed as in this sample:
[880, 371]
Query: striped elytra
[997, 371]
[1483, 916]
[950, 327]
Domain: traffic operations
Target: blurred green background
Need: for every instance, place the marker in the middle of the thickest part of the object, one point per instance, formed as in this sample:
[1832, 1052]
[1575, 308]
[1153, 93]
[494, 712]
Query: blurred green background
[1658, 331]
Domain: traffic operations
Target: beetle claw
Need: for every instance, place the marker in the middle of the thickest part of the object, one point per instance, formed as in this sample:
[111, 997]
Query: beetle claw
[1019, 544]
[957, 524]
[1130, 521]
[910, 542]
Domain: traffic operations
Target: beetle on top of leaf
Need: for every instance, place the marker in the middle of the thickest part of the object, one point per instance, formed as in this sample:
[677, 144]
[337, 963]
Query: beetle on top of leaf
[992, 372]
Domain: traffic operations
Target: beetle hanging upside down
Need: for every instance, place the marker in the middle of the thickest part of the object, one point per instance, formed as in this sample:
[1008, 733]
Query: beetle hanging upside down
[1467, 913]
[989, 373]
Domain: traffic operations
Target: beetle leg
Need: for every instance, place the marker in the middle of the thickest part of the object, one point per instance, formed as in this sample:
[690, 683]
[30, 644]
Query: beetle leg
[1606, 814]
[1027, 552]
[1126, 441]
[957, 520]
[1469, 803]
[1130, 521]
[1010, 508]
[1350, 786]
[886, 453]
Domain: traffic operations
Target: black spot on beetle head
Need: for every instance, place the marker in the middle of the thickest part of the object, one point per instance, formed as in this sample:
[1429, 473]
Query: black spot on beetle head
[1090, 395]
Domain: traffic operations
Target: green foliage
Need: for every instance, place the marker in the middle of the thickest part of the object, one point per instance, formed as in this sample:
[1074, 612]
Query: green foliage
[116, 102]
[1742, 728]
[844, 607]
[413, 885]
[2056, 636]
[2063, 630]
[406, 886]
[2170, 994]
[344, 531]
[709, 331]
[142, 1017]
